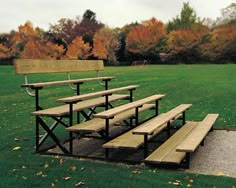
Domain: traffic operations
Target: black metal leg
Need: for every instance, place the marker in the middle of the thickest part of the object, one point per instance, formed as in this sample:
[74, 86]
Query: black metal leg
[52, 127]
[157, 108]
[78, 93]
[168, 129]
[53, 136]
[183, 118]
[187, 160]
[106, 102]
[106, 153]
[202, 142]
[71, 124]
[136, 116]
[37, 105]
[107, 128]
[106, 84]
[131, 95]
[37, 135]
[145, 152]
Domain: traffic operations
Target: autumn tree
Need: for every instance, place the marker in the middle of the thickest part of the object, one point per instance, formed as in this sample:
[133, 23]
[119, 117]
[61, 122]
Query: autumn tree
[22, 36]
[35, 49]
[122, 54]
[219, 44]
[78, 49]
[63, 30]
[143, 40]
[183, 44]
[88, 26]
[106, 44]
[66, 30]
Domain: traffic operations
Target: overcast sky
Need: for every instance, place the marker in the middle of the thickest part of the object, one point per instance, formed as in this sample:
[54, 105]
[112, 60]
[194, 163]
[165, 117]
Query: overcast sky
[114, 13]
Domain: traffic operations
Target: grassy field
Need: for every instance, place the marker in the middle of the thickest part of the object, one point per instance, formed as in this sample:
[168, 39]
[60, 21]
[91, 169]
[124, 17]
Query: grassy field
[210, 88]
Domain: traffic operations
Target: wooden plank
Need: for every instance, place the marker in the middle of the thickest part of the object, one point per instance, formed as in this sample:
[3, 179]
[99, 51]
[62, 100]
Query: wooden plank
[174, 157]
[76, 81]
[127, 140]
[114, 111]
[198, 134]
[150, 127]
[166, 152]
[30, 66]
[97, 124]
[95, 94]
[64, 109]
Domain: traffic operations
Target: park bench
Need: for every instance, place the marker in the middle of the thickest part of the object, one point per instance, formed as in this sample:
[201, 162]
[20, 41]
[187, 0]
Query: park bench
[76, 103]
[140, 135]
[42, 66]
[183, 142]
[102, 121]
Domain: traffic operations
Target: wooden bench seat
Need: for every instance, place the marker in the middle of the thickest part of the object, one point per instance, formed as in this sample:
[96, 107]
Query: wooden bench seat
[130, 140]
[77, 98]
[74, 81]
[98, 124]
[152, 126]
[184, 141]
[64, 109]
[198, 134]
[166, 152]
[144, 132]
[136, 104]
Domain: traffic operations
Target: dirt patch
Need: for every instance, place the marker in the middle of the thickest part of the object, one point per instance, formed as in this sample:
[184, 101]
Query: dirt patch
[218, 156]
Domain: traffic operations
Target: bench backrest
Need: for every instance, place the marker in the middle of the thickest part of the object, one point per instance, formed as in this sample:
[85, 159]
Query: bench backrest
[31, 66]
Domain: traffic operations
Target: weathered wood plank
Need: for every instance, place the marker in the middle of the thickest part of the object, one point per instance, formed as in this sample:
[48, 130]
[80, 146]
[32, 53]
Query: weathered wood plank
[95, 94]
[129, 140]
[114, 111]
[64, 109]
[76, 81]
[97, 124]
[198, 134]
[30, 66]
[150, 127]
[166, 152]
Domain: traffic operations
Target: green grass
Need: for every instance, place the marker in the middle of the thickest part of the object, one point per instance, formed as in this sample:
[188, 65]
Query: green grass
[210, 88]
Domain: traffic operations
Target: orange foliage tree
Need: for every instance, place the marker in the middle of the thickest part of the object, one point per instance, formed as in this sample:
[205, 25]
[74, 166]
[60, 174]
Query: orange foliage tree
[21, 37]
[219, 44]
[29, 42]
[182, 44]
[78, 49]
[106, 44]
[35, 49]
[144, 39]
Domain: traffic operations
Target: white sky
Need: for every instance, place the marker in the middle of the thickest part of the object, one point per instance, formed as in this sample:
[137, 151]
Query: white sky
[114, 13]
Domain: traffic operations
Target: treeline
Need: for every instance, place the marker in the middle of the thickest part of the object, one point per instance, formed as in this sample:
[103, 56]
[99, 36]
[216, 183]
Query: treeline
[186, 38]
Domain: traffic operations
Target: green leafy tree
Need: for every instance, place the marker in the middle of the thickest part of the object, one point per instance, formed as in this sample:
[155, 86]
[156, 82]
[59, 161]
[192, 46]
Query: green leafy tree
[186, 19]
